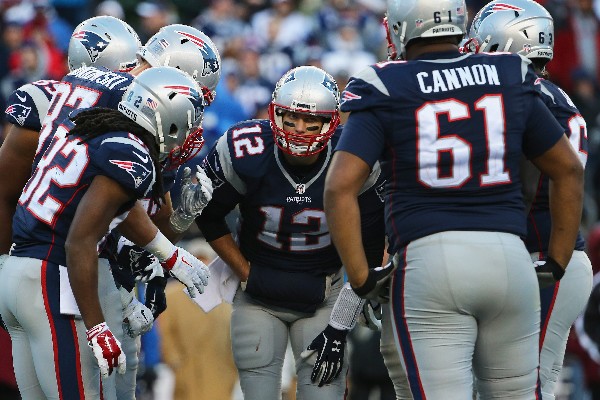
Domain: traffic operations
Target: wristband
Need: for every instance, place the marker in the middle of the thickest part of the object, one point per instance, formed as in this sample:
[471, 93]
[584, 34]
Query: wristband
[367, 286]
[557, 270]
[161, 247]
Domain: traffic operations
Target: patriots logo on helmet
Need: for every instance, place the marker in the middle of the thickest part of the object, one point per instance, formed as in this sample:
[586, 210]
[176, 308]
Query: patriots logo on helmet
[138, 172]
[329, 84]
[19, 112]
[290, 77]
[92, 42]
[211, 63]
[493, 8]
[191, 94]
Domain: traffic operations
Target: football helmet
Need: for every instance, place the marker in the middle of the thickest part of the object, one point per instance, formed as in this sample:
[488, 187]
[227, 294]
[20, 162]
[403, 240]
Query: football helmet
[521, 26]
[307, 90]
[104, 41]
[167, 103]
[406, 20]
[188, 49]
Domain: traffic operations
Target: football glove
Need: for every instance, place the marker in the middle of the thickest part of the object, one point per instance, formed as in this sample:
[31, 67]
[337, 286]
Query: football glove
[143, 265]
[188, 270]
[548, 272]
[106, 349]
[137, 318]
[370, 315]
[156, 300]
[194, 197]
[376, 287]
[329, 346]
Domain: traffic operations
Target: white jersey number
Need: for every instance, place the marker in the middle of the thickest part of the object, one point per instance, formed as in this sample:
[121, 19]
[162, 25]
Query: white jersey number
[430, 145]
[35, 194]
[578, 133]
[311, 240]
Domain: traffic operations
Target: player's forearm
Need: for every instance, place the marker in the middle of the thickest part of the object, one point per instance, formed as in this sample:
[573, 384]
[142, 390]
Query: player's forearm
[343, 219]
[229, 252]
[566, 204]
[138, 227]
[82, 266]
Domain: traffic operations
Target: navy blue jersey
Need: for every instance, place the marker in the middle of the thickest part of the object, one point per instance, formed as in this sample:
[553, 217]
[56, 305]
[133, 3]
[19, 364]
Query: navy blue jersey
[449, 130]
[567, 114]
[28, 105]
[82, 88]
[60, 180]
[282, 223]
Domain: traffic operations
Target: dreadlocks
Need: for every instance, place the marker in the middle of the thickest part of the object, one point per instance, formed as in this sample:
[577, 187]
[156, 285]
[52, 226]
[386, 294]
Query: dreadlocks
[97, 121]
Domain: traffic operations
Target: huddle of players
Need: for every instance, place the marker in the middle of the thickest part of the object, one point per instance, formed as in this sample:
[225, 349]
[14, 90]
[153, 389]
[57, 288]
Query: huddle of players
[141, 159]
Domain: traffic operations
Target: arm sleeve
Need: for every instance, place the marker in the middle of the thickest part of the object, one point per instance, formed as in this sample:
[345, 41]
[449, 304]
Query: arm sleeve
[363, 135]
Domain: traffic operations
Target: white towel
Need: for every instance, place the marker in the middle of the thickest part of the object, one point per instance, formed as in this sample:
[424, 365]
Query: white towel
[68, 305]
[222, 285]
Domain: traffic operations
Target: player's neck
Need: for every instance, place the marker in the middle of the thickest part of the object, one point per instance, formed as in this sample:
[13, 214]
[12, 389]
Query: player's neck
[419, 49]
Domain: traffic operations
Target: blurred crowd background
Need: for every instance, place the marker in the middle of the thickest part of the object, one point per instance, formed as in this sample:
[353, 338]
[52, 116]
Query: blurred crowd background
[187, 355]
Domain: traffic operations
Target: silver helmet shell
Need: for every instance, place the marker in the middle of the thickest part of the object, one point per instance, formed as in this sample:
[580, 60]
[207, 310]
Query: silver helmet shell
[524, 27]
[167, 103]
[307, 90]
[103, 41]
[188, 49]
[412, 19]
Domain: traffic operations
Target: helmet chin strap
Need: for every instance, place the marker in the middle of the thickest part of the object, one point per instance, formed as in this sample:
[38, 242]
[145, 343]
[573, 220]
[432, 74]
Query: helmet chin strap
[159, 133]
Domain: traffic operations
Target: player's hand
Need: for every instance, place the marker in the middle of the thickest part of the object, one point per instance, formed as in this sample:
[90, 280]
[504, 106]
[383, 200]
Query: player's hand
[106, 348]
[156, 300]
[548, 272]
[370, 315]
[376, 287]
[194, 197]
[329, 346]
[137, 318]
[143, 265]
[188, 270]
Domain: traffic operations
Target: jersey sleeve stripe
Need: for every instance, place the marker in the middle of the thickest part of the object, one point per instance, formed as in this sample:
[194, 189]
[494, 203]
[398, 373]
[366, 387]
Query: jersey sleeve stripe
[370, 76]
[225, 160]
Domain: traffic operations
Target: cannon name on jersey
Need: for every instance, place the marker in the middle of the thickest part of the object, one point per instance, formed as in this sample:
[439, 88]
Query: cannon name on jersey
[456, 119]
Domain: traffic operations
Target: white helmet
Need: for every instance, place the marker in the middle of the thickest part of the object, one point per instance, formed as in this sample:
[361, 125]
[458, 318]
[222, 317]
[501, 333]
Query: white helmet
[521, 26]
[104, 41]
[188, 49]
[307, 90]
[167, 103]
[412, 19]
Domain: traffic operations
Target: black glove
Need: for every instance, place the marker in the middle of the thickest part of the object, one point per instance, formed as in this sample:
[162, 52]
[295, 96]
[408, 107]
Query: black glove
[548, 272]
[376, 287]
[156, 300]
[329, 346]
[138, 261]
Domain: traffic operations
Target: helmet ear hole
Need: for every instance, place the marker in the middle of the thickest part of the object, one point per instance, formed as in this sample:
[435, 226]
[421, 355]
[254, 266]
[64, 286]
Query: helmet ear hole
[494, 48]
[173, 129]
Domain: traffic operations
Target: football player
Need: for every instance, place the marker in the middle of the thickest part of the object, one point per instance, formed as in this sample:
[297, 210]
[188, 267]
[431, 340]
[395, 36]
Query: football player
[526, 28]
[290, 273]
[99, 162]
[450, 130]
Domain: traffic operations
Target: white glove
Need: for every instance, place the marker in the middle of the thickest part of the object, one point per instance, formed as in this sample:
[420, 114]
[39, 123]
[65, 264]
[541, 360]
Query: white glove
[194, 197]
[106, 348]
[137, 318]
[151, 271]
[370, 315]
[188, 270]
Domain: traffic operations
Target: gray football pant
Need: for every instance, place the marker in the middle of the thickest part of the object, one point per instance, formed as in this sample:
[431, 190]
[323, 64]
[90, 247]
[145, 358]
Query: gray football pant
[569, 299]
[28, 309]
[463, 303]
[259, 339]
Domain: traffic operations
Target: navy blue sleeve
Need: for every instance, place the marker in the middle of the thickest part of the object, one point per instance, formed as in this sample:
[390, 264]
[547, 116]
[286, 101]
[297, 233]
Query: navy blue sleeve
[21, 110]
[364, 136]
[543, 130]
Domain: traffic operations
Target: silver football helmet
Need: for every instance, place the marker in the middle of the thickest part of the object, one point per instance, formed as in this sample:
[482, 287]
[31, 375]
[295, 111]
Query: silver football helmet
[411, 19]
[167, 103]
[521, 26]
[104, 41]
[307, 90]
[188, 49]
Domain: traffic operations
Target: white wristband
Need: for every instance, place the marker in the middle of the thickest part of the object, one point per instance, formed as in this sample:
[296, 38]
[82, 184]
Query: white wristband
[346, 309]
[161, 247]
